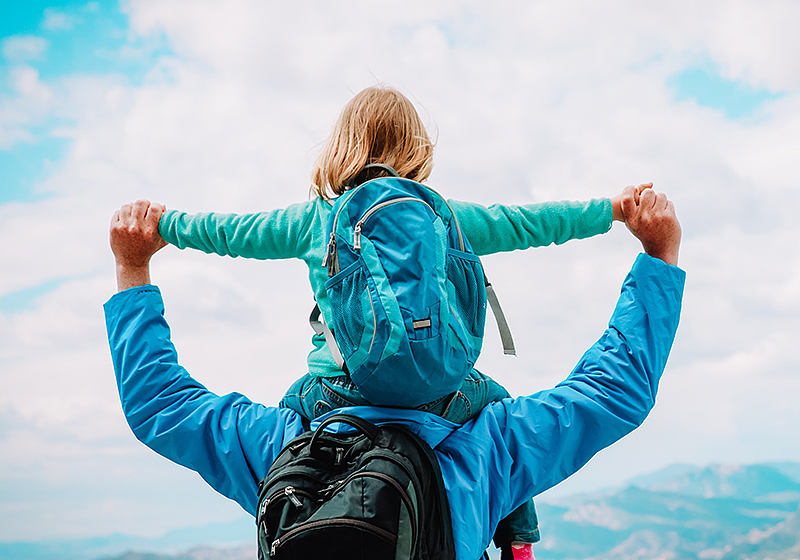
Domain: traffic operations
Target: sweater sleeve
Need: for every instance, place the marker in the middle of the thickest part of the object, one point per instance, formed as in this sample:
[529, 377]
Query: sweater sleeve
[277, 234]
[501, 228]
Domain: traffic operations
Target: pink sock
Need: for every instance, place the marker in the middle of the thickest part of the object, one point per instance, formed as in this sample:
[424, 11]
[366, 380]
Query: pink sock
[522, 551]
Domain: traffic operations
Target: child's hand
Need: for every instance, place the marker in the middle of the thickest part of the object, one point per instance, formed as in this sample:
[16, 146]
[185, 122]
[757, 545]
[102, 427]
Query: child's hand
[616, 202]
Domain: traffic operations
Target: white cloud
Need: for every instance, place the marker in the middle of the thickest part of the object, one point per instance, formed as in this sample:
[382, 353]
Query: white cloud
[20, 48]
[30, 104]
[531, 102]
[56, 20]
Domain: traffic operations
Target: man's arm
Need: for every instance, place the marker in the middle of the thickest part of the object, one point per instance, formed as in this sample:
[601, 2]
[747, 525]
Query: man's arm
[230, 441]
[518, 448]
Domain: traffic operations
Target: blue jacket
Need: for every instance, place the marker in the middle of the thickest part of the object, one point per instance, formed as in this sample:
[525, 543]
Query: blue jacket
[513, 450]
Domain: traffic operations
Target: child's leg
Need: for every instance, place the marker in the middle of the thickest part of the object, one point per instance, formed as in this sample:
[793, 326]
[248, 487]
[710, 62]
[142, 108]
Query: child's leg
[476, 391]
[312, 396]
[524, 524]
[301, 397]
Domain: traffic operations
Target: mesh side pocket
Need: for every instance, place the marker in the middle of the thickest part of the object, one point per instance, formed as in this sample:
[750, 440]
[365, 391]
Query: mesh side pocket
[345, 295]
[466, 275]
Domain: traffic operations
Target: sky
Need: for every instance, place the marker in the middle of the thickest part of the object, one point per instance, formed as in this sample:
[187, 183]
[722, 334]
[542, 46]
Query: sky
[222, 105]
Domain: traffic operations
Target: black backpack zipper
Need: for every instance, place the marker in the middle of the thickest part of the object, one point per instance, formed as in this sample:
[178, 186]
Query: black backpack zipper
[383, 533]
[332, 490]
[290, 492]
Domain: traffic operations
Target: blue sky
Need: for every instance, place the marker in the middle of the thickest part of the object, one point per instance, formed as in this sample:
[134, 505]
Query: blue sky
[78, 38]
[59, 40]
[221, 105]
[705, 85]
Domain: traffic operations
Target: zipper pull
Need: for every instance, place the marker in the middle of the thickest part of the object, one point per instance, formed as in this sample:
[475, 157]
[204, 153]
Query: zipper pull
[331, 488]
[331, 247]
[357, 236]
[274, 548]
[289, 491]
[264, 506]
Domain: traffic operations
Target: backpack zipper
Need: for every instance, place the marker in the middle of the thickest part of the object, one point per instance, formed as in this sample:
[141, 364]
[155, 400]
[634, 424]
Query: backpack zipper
[333, 489]
[406, 499]
[290, 492]
[371, 211]
[331, 248]
[383, 533]
[330, 252]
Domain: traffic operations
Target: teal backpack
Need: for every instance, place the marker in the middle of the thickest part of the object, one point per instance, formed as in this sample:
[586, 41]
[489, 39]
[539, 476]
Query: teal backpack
[408, 295]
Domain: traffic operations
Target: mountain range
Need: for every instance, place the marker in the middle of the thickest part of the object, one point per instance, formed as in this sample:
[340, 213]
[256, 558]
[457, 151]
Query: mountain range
[682, 512]
[718, 512]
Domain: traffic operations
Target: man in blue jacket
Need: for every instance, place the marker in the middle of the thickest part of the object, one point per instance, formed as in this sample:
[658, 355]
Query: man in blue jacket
[513, 450]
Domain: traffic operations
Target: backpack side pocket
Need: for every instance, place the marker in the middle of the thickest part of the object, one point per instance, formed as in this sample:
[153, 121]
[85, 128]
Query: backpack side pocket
[354, 315]
[467, 293]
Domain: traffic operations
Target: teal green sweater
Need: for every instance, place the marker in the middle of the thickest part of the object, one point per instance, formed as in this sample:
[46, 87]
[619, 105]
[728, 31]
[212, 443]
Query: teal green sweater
[299, 232]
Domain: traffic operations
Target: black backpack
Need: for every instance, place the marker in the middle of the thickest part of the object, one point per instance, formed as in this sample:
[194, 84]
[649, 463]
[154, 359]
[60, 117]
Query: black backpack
[370, 495]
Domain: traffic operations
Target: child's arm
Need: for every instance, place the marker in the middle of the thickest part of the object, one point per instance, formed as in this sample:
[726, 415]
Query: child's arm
[501, 228]
[276, 234]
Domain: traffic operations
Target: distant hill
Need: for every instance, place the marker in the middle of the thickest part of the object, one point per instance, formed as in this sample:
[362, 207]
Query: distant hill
[224, 536]
[242, 552]
[682, 512]
[715, 512]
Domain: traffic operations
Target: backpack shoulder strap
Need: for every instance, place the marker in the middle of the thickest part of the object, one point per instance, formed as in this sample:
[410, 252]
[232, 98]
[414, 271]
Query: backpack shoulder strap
[442, 526]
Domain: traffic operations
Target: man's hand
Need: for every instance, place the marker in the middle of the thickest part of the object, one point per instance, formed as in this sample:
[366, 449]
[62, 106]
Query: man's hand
[652, 220]
[134, 240]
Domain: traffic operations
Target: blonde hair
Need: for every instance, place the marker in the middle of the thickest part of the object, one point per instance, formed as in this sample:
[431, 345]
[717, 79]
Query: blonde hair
[379, 125]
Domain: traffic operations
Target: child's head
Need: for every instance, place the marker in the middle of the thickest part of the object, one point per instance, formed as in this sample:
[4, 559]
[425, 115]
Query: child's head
[379, 125]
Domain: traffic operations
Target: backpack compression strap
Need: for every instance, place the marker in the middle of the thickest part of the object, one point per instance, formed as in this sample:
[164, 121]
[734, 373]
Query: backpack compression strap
[321, 328]
[500, 317]
[494, 303]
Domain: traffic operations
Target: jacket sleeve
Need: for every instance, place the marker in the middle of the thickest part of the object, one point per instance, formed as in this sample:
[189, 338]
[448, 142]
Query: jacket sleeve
[501, 228]
[230, 441]
[521, 447]
[277, 234]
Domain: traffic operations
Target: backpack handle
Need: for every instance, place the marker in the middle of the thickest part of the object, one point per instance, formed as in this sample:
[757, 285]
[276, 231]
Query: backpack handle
[367, 428]
[360, 177]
